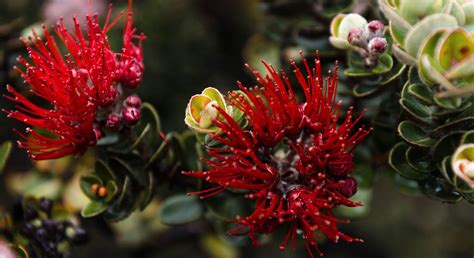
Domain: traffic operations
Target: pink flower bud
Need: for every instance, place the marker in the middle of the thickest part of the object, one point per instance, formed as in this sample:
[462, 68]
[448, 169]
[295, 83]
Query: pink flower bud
[133, 75]
[356, 37]
[378, 45]
[348, 187]
[133, 101]
[376, 28]
[113, 122]
[131, 115]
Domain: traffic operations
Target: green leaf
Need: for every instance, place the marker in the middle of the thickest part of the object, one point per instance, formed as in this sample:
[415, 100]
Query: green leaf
[417, 110]
[446, 146]
[420, 159]
[423, 28]
[396, 71]
[448, 103]
[428, 48]
[5, 151]
[357, 71]
[93, 208]
[462, 70]
[384, 64]
[446, 169]
[439, 190]
[401, 55]
[468, 137]
[147, 193]
[414, 134]
[456, 46]
[108, 140]
[397, 159]
[421, 92]
[125, 204]
[394, 18]
[459, 125]
[413, 10]
[149, 127]
[103, 171]
[180, 209]
[123, 168]
[365, 88]
[339, 43]
[111, 191]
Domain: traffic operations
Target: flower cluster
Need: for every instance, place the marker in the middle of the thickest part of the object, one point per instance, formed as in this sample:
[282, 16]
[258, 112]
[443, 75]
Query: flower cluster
[78, 84]
[352, 31]
[294, 159]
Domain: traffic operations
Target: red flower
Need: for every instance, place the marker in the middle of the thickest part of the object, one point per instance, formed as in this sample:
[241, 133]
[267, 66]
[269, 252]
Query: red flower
[294, 159]
[131, 62]
[77, 85]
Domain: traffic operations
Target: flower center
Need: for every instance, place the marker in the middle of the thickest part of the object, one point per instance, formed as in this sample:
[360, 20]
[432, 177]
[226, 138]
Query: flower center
[284, 158]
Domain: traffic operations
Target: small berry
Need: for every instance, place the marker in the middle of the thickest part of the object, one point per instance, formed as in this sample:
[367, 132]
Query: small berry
[95, 187]
[102, 192]
[113, 122]
[378, 45]
[133, 101]
[131, 115]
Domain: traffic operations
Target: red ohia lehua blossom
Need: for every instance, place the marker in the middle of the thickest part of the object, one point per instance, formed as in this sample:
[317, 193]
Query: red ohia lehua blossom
[298, 184]
[131, 62]
[78, 84]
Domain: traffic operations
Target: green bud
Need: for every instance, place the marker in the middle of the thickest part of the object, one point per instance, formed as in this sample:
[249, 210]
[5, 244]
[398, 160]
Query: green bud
[462, 163]
[203, 110]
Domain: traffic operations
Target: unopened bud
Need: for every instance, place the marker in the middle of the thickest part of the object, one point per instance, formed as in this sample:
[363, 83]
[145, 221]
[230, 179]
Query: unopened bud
[375, 28]
[113, 122]
[133, 101]
[378, 45]
[356, 37]
[131, 115]
[132, 75]
[348, 187]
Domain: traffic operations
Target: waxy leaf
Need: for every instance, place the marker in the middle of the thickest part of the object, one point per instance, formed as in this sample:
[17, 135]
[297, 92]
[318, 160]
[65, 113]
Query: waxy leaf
[397, 159]
[93, 208]
[414, 134]
[180, 209]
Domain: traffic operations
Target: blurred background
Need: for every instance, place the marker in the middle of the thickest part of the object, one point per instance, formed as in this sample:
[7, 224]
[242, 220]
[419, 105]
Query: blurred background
[193, 44]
